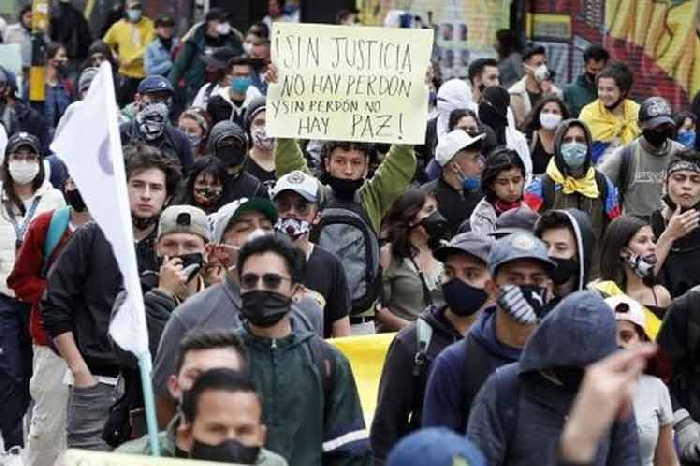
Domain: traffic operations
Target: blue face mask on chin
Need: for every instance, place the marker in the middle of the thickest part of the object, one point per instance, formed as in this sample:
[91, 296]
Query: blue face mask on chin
[687, 138]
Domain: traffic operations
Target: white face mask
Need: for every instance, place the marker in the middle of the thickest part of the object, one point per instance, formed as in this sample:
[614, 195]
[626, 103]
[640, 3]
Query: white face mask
[540, 73]
[549, 121]
[261, 139]
[23, 171]
[224, 28]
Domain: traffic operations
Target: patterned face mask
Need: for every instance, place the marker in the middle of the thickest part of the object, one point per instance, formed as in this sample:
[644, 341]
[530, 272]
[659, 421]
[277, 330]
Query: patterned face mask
[151, 120]
[292, 227]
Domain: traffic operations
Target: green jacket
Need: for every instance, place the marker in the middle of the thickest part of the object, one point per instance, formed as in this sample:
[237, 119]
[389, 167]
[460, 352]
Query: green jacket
[189, 64]
[579, 93]
[378, 194]
[302, 426]
[166, 440]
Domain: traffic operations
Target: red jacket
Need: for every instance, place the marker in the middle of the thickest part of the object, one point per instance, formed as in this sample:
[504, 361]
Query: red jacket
[26, 278]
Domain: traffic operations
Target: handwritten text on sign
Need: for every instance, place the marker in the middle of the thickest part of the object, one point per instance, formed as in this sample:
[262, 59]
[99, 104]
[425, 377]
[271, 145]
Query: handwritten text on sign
[349, 83]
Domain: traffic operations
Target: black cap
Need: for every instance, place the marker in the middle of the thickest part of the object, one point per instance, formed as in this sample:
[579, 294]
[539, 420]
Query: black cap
[472, 243]
[23, 139]
[219, 58]
[164, 21]
[522, 218]
[654, 112]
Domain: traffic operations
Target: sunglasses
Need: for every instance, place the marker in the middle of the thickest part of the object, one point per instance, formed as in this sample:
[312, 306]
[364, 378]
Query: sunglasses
[271, 281]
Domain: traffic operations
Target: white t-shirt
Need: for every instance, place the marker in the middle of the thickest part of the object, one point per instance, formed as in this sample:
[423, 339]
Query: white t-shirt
[652, 408]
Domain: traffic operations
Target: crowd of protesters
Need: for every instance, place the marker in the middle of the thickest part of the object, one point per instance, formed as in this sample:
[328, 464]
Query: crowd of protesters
[528, 256]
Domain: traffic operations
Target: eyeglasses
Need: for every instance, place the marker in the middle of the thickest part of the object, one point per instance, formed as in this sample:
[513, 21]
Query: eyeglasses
[271, 281]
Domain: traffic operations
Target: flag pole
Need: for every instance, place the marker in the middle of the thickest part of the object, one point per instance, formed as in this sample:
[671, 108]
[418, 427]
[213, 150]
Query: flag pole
[149, 403]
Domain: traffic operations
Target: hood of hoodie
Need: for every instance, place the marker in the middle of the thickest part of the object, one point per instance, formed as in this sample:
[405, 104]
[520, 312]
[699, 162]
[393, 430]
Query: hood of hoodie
[435, 316]
[559, 137]
[222, 130]
[580, 224]
[484, 332]
[452, 95]
[579, 331]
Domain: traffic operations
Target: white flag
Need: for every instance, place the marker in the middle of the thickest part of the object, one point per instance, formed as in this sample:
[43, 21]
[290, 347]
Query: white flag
[87, 140]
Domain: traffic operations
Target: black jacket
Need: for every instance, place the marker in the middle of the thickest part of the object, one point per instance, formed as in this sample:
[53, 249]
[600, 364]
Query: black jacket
[455, 206]
[80, 292]
[69, 27]
[172, 142]
[242, 185]
[29, 120]
[400, 398]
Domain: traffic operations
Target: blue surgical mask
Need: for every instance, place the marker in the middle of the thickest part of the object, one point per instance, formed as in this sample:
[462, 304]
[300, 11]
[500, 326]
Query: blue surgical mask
[471, 183]
[687, 138]
[240, 85]
[574, 154]
[134, 15]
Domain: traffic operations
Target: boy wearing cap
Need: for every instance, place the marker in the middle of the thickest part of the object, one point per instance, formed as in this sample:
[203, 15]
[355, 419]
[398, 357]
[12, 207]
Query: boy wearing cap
[296, 198]
[408, 361]
[151, 122]
[230, 102]
[458, 190]
[519, 268]
[129, 37]
[159, 53]
[639, 168]
[219, 306]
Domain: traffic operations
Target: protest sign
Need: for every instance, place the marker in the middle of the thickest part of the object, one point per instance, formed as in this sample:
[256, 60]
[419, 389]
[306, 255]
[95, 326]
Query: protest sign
[349, 83]
[95, 458]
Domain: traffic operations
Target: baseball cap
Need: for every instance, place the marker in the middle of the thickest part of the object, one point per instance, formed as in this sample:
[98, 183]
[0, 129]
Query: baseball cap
[655, 111]
[23, 139]
[435, 446]
[184, 219]
[522, 218]
[231, 212]
[518, 246]
[304, 185]
[453, 142]
[155, 83]
[133, 3]
[626, 308]
[164, 21]
[472, 243]
[219, 57]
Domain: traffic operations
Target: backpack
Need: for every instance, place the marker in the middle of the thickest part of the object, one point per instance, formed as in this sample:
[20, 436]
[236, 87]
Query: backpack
[57, 227]
[324, 359]
[625, 169]
[345, 230]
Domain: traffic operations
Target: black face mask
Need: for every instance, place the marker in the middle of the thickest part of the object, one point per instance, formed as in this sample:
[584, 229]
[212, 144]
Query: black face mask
[462, 298]
[564, 271]
[75, 200]
[590, 77]
[656, 138]
[141, 223]
[264, 308]
[344, 188]
[437, 228]
[195, 258]
[228, 451]
[230, 156]
[490, 116]
[570, 377]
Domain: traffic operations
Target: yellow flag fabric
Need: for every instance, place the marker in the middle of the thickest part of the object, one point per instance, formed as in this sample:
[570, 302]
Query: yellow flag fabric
[587, 185]
[366, 354]
[652, 324]
[607, 127]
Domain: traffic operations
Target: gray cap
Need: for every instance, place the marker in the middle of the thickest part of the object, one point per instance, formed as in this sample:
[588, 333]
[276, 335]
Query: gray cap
[522, 218]
[518, 246]
[86, 78]
[184, 219]
[474, 244]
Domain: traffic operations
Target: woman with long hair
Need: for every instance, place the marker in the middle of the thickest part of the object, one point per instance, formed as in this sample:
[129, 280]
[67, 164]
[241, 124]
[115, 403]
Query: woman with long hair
[204, 185]
[24, 193]
[411, 274]
[540, 126]
[194, 122]
[627, 265]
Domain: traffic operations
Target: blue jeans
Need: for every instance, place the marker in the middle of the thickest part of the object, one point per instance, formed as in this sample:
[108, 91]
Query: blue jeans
[15, 368]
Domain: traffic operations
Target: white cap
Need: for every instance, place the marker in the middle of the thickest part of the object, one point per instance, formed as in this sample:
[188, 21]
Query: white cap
[453, 142]
[301, 183]
[626, 308]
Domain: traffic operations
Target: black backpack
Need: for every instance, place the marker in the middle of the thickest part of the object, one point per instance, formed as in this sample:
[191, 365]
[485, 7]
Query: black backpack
[346, 231]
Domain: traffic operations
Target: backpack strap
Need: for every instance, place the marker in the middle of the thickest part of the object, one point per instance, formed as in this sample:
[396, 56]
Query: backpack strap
[533, 141]
[324, 359]
[547, 192]
[476, 370]
[424, 333]
[626, 167]
[57, 227]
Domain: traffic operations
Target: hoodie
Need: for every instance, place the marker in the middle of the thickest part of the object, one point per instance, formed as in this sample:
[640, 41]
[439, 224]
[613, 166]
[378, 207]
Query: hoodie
[400, 398]
[241, 184]
[452, 95]
[543, 193]
[579, 331]
[458, 372]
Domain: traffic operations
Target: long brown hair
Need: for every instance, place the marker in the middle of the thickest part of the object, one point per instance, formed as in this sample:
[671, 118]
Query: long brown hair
[8, 184]
[398, 222]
